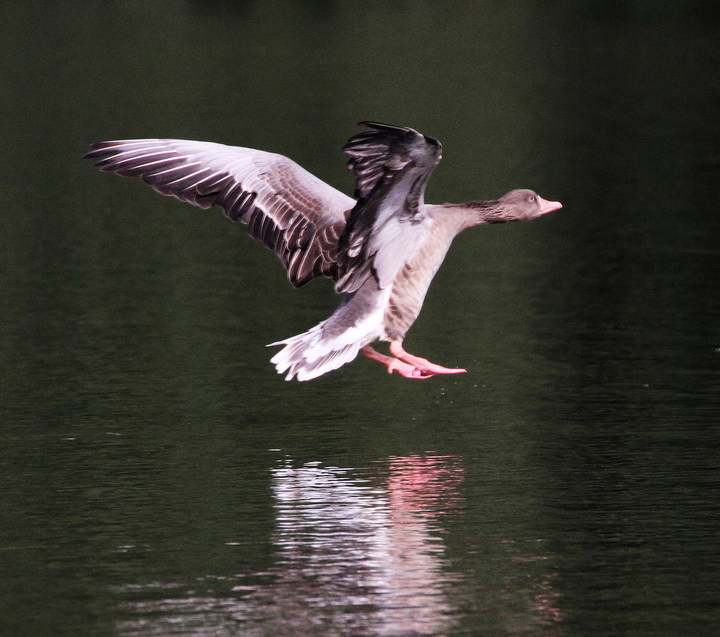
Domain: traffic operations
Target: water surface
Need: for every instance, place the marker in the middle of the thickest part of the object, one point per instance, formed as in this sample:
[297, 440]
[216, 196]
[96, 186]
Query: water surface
[159, 478]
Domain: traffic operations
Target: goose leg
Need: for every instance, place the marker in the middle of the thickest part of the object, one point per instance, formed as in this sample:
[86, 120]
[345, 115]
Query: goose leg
[424, 366]
[395, 365]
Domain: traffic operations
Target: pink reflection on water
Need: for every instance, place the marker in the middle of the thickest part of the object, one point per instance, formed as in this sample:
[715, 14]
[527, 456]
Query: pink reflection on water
[548, 599]
[425, 486]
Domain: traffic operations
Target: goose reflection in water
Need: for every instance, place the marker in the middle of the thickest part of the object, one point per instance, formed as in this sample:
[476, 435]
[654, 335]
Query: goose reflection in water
[357, 554]
[363, 552]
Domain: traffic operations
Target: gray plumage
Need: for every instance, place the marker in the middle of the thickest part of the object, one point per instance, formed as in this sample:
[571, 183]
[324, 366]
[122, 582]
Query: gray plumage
[382, 249]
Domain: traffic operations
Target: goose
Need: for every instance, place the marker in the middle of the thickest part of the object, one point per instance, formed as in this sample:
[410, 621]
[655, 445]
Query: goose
[382, 248]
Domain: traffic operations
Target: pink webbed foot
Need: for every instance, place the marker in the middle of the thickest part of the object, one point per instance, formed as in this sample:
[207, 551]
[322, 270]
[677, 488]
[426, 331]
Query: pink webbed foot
[407, 365]
[422, 364]
[396, 365]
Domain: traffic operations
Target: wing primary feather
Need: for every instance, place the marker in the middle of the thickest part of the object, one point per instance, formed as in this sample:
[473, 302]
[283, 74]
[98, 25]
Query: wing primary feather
[284, 206]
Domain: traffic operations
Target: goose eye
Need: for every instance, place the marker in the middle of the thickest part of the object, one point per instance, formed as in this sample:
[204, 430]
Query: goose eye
[532, 198]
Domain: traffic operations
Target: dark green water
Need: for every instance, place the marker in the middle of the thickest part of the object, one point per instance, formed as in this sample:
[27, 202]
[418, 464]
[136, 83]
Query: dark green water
[159, 479]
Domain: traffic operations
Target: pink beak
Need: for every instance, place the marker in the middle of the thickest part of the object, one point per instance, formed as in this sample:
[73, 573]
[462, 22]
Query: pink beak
[548, 206]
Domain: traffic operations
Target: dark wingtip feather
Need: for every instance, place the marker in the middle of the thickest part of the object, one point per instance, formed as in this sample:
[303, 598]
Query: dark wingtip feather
[99, 149]
[386, 127]
[96, 152]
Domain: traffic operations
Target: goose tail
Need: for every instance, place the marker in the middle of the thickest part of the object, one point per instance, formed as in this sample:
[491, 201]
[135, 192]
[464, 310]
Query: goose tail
[316, 352]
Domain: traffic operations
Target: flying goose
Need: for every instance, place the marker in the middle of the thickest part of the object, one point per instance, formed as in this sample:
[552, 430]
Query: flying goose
[381, 248]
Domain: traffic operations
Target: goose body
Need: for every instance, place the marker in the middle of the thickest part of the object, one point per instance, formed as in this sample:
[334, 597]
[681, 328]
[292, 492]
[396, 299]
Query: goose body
[382, 248]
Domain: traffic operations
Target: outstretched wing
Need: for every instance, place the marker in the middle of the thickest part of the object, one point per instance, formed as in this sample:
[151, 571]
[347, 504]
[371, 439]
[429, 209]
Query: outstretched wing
[380, 153]
[290, 210]
[392, 165]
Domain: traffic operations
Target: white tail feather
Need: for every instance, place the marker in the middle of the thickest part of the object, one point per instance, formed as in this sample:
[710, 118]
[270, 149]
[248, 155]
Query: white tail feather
[312, 354]
[337, 340]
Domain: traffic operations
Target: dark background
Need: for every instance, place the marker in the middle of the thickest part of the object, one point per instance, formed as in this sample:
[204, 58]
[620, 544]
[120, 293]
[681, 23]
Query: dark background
[158, 477]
